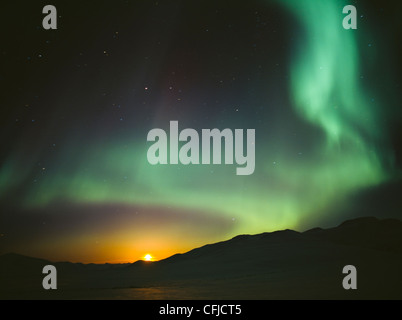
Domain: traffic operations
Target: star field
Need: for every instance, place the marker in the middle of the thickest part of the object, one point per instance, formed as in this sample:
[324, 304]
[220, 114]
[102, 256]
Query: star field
[78, 102]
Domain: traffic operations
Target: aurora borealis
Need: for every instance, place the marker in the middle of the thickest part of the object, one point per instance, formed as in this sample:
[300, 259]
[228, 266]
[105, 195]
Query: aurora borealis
[75, 183]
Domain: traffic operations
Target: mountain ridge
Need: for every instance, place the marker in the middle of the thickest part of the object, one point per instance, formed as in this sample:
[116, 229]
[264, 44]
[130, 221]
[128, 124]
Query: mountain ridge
[284, 264]
[282, 235]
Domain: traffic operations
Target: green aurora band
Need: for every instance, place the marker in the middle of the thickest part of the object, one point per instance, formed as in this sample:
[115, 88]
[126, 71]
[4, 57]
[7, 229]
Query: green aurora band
[326, 94]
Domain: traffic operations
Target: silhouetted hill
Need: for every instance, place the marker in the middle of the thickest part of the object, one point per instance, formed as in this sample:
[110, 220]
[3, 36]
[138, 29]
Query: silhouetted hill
[283, 264]
[368, 232]
[313, 230]
[15, 263]
[228, 250]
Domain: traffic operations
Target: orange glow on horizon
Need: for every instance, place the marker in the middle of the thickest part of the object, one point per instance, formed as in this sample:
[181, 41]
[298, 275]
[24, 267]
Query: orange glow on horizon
[118, 245]
[110, 250]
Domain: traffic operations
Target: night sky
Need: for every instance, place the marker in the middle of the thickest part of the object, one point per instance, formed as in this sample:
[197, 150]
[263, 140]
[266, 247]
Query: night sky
[77, 104]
